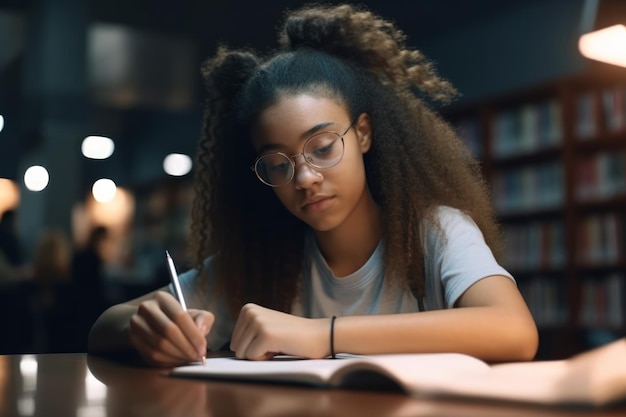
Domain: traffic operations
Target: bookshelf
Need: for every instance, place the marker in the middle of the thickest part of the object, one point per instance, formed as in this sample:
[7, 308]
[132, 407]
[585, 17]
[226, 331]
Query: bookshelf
[554, 156]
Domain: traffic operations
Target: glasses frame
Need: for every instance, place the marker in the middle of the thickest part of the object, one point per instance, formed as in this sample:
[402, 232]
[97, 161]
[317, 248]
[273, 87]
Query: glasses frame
[292, 158]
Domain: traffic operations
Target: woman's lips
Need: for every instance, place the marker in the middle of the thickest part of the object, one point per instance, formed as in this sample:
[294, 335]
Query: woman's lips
[317, 205]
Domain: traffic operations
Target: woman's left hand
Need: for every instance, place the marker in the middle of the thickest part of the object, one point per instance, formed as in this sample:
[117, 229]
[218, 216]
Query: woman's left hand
[261, 333]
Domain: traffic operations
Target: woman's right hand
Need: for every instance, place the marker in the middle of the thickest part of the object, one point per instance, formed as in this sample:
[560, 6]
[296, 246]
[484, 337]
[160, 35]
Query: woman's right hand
[166, 335]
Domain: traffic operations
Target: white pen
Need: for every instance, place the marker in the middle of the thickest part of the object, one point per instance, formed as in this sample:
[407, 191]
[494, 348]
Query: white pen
[178, 292]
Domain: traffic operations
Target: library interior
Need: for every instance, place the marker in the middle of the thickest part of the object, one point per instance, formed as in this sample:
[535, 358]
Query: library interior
[100, 112]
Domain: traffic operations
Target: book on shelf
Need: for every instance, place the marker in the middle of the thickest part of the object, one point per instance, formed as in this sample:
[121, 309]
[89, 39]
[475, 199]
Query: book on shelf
[530, 187]
[546, 300]
[594, 378]
[614, 105]
[601, 240]
[535, 245]
[601, 176]
[603, 304]
[586, 126]
[527, 128]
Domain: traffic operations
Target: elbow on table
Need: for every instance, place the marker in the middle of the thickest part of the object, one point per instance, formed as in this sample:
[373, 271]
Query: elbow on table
[523, 340]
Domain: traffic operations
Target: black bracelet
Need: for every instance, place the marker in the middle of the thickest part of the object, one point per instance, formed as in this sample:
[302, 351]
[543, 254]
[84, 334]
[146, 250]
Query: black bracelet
[332, 337]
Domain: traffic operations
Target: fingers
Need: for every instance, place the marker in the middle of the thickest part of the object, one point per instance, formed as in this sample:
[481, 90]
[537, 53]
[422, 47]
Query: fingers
[151, 345]
[203, 319]
[238, 340]
[202, 323]
[161, 333]
[184, 332]
[252, 337]
[257, 350]
[242, 335]
[261, 333]
[154, 355]
[164, 333]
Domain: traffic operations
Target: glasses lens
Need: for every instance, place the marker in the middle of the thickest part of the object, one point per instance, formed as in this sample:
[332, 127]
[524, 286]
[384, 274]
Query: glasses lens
[324, 150]
[274, 169]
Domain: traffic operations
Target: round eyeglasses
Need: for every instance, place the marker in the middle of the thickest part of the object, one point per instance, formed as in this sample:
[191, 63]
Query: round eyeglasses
[322, 150]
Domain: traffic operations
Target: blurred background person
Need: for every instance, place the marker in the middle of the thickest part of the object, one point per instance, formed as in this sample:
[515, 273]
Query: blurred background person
[11, 253]
[88, 274]
[48, 291]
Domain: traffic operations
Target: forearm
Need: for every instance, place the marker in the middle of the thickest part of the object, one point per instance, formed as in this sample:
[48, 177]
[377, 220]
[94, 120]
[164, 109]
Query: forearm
[110, 332]
[490, 333]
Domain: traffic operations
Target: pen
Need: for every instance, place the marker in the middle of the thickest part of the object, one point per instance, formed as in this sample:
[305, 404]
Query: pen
[178, 292]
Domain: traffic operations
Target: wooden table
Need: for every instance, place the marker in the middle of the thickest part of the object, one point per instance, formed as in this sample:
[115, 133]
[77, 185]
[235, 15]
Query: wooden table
[79, 385]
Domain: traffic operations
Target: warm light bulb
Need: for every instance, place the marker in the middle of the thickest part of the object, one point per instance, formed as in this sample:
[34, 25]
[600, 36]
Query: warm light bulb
[606, 45]
[9, 195]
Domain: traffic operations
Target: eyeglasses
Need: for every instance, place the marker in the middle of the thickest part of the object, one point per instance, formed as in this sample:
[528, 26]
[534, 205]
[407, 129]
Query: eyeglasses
[322, 150]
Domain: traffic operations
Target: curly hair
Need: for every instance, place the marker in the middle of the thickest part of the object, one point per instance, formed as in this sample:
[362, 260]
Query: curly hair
[415, 164]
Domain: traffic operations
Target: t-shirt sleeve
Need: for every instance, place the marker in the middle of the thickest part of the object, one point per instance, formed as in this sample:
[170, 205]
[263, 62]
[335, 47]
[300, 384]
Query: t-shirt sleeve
[459, 256]
[205, 297]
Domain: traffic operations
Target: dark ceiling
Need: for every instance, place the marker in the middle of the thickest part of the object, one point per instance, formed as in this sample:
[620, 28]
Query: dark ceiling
[207, 23]
[236, 20]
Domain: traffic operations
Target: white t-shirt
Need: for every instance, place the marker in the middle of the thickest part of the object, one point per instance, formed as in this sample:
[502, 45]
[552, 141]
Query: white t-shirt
[452, 264]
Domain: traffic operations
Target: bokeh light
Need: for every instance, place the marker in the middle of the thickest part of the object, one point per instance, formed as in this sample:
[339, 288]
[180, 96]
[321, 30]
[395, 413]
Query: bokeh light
[177, 164]
[9, 195]
[36, 178]
[103, 190]
[97, 147]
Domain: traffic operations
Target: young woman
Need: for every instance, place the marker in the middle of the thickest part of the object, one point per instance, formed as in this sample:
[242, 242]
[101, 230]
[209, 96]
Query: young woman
[334, 212]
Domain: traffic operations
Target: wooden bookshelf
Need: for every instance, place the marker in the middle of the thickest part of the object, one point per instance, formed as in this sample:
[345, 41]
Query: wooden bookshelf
[555, 158]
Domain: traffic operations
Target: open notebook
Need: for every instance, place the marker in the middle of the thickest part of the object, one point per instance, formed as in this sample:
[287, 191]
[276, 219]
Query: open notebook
[593, 378]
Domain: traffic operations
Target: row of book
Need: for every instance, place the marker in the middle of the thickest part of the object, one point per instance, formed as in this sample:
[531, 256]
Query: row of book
[527, 128]
[602, 302]
[601, 176]
[529, 188]
[600, 240]
[535, 246]
[547, 300]
[601, 111]
[539, 125]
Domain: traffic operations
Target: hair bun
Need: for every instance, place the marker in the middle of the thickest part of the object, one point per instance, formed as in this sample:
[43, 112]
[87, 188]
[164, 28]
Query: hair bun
[227, 72]
[317, 28]
[355, 33]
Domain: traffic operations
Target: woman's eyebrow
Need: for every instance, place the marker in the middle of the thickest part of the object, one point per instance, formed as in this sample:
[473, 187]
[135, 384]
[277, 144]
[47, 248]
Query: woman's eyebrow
[315, 129]
[305, 135]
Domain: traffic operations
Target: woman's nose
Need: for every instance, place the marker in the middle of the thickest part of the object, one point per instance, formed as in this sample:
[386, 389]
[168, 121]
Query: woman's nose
[305, 175]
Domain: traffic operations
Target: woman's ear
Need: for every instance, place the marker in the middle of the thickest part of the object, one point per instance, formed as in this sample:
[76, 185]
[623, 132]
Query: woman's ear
[363, 130]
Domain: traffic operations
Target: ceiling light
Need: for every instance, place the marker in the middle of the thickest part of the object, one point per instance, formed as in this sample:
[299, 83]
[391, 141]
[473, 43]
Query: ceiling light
[606, 45]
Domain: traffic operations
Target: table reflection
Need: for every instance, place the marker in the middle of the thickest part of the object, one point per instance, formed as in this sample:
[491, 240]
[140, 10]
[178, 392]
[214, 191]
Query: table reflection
[157, 393]
[49, 385]
[77, 385]
[148, 389]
